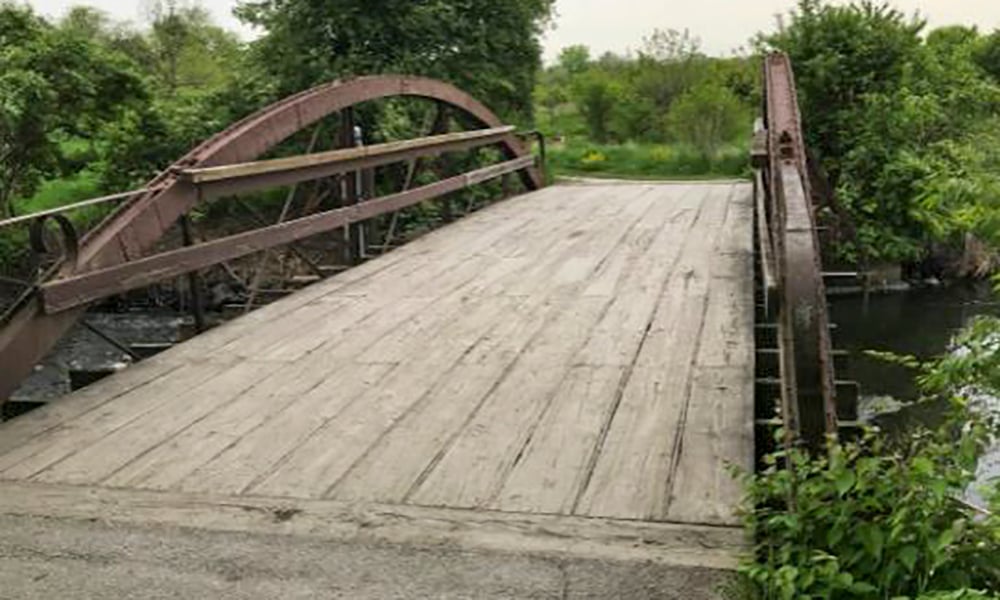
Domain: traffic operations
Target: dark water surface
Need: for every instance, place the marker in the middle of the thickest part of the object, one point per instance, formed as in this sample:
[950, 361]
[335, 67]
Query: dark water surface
[921, 323]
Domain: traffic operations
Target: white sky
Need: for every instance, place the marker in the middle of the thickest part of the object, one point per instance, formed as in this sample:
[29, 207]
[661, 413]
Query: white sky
[620, 25]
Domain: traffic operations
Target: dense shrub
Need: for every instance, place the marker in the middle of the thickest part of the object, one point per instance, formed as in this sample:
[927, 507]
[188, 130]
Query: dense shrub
[885, 517]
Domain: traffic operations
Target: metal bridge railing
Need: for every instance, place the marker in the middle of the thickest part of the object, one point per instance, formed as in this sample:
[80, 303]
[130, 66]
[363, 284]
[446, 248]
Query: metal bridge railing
[791, 275]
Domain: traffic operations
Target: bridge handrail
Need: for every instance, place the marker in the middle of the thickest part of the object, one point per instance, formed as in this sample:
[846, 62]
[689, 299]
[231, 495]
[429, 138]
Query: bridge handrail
[791, 252]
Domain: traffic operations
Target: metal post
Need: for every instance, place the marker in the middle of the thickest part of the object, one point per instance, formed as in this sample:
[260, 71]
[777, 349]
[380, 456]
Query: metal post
[350, 135]
[441, 126]
[194, 281]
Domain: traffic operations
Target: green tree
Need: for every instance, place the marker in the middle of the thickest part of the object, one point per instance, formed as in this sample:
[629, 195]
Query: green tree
[575, 59]
[87, 22]
[597, 95]
[842, 55]
[987, 55]
[490, 49]
[186, 51]
[55, 85]
[708, 116]
[550, 97]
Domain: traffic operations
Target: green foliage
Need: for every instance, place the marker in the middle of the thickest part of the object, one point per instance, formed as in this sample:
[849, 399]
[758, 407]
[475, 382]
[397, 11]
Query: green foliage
[54, 84]
[575, 59]
[707, 116]
[884, 518]
[596, 94]
[633, 160]
[647, 113]
[894, 118]
[987, 55]
[186, 51]
[489, 49]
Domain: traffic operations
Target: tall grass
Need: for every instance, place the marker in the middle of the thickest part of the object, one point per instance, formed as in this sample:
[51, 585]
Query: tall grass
[646, 161]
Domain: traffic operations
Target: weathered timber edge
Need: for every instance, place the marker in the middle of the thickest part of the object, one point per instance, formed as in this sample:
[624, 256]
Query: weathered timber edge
[668, 544]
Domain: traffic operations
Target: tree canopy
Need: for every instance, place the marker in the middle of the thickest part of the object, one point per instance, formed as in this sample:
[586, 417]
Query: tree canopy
[55, 84]
[490, 49]
[904, 123]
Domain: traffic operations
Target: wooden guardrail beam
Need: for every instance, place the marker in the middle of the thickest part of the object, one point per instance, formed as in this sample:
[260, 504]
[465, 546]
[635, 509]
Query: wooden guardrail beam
[213, 182]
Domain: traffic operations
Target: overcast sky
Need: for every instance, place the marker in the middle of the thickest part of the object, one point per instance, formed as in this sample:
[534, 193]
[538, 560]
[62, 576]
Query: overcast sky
[620, 25]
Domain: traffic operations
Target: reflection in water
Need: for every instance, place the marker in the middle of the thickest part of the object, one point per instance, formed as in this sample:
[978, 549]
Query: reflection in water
[921, 323]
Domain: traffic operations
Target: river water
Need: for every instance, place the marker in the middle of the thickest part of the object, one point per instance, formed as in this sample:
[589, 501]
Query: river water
[921, 323]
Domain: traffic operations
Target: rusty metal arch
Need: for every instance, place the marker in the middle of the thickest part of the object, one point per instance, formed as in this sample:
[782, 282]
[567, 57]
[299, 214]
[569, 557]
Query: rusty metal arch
[136, 226]
[808, 391]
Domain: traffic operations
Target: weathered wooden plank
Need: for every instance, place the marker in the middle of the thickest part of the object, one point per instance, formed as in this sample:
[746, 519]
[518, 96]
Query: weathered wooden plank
[321, 462]
[491, 225]
[566, 277]
[410, 338]
[458, 272]
[256, 454]
[718, 433]
[288, 170]
[71, 436]
[558, 458]
[166, 465]
[735, 247]
[631, 474]
[476, 367]
[559, 217]
[15, 433]
[391, 315]
[614, 540]
[102, 459]
[729, 335]
[654, 253]
[390, 470]
[549, 476]
[318, 323]
[303, 320]
[473, 469]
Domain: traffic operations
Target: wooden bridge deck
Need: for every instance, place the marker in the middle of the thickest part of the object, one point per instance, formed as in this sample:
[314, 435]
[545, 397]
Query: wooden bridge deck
[584, 351]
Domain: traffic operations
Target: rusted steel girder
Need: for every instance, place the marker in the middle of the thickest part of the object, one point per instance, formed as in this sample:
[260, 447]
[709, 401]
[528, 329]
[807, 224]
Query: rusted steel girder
[135, 227]
[68, 293]
[808, 391]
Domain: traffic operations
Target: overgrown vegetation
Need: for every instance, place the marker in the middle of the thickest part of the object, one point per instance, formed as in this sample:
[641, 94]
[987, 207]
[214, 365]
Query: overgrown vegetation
[885, 517]
[636, 160]
[668, 111]
[906, 124]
